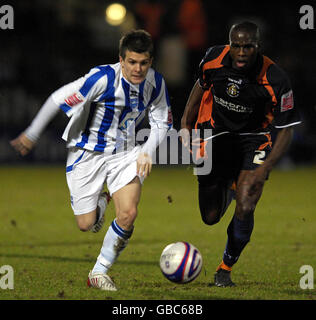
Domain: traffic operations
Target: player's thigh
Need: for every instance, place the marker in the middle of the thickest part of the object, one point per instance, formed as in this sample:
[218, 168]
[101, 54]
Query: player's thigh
[255, 150]
[128, 196]
[85, 175]
[122, 169]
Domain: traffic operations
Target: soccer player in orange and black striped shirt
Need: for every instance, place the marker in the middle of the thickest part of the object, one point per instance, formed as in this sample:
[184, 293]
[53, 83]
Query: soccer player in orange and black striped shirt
[241, 95]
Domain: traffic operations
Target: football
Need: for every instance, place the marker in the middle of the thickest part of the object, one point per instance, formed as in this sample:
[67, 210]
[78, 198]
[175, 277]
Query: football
[181, 262]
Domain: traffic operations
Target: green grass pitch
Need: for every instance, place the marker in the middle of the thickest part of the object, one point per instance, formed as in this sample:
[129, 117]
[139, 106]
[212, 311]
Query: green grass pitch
[51, 258]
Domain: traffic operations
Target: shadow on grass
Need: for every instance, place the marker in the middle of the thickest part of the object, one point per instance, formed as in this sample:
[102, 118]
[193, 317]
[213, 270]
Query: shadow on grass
[55, 258]
[49, 244]
[30, 244]
[71, 259]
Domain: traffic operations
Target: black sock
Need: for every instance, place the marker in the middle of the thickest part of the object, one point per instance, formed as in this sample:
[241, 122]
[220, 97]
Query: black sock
[239, 232]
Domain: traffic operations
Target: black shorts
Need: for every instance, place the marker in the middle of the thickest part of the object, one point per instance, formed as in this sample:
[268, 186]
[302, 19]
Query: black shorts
[232, 153]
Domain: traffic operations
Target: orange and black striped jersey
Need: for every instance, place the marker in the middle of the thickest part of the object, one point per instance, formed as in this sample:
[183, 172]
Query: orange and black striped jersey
[239, 102]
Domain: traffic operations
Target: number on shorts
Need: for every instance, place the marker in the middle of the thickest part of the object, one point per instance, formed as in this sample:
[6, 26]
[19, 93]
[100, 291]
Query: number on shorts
[260, 154]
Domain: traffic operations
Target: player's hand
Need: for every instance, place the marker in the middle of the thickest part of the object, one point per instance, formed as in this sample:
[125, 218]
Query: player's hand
[144, 165]
[185, 137]
[22, 144]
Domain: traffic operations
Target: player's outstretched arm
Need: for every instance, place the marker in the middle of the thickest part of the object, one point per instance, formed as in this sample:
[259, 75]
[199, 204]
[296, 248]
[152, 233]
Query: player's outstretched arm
[26, 141]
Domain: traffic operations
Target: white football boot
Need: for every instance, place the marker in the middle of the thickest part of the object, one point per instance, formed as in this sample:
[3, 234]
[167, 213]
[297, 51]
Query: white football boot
[103, 202]
[101, 281]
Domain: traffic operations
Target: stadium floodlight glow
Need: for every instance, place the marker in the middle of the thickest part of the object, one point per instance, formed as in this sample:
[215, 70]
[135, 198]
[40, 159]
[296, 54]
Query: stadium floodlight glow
[115, 14]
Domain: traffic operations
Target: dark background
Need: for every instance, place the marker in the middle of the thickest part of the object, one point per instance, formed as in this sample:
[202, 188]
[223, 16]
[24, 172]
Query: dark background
[55, 42]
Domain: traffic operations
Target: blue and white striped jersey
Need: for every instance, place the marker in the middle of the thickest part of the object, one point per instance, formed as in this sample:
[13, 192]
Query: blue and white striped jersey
[105, 108]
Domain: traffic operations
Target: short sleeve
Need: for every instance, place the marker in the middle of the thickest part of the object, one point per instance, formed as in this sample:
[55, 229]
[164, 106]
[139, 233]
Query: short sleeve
[285, 113]
[202, 80]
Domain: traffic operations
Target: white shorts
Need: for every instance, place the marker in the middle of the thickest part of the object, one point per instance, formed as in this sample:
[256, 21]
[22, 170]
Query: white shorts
[88, 171]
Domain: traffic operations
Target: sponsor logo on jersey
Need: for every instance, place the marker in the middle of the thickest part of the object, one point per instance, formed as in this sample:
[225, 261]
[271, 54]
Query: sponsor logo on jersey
[133, 98]
[133, 93]
[239, 81]
[287, 101]
[74, 99]
[232, 90]
[232, 106]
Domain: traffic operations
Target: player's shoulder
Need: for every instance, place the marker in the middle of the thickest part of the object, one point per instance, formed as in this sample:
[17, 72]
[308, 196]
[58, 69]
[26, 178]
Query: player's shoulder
[104, 74]
[107, 69]
[154, 78]
[275, 74]
[215, 51]
[214, 55]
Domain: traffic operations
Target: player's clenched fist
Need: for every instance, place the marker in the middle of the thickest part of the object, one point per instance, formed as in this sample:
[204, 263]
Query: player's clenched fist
[22, 144]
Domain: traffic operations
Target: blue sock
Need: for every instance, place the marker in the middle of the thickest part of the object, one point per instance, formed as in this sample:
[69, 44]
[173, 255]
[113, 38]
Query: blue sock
[239, 232]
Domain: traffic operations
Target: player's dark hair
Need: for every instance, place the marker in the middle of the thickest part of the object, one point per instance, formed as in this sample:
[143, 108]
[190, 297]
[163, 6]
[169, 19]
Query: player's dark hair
[138, 41]
[248, 27]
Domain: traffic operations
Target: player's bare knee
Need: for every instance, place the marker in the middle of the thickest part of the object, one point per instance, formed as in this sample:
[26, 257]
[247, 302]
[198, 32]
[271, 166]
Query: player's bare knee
[85, 221]
[210, 217]
[245, 209]
[127, 217]
[209, 221]
[84, 227]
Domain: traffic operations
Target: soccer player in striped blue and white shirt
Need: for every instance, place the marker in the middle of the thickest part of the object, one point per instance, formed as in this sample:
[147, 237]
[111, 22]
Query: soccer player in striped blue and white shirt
[105, 107]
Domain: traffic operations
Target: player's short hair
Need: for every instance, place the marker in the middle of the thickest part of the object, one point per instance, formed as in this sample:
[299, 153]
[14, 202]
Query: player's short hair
[136, 40]
[248, 27]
